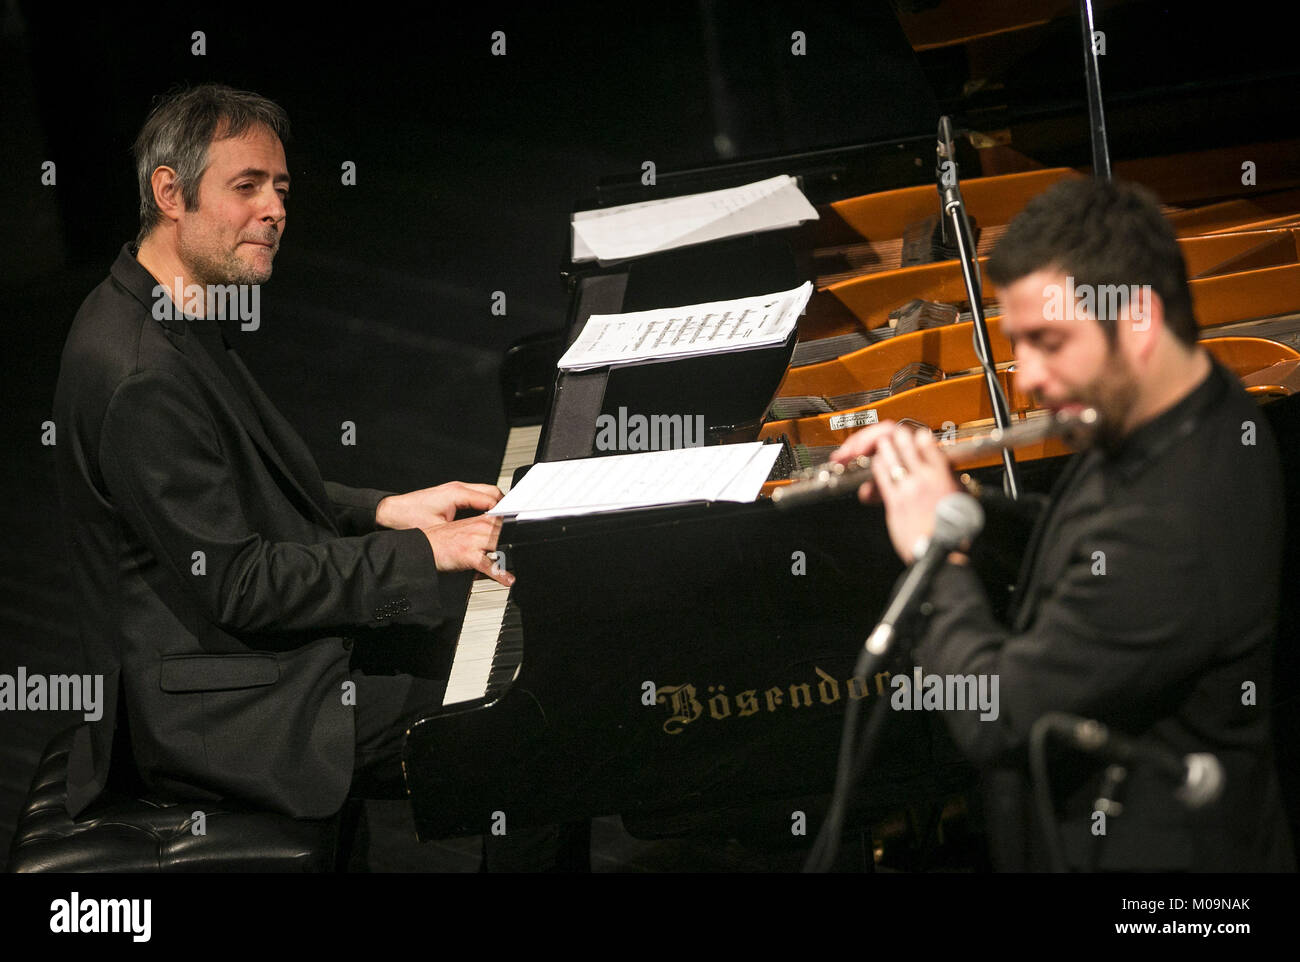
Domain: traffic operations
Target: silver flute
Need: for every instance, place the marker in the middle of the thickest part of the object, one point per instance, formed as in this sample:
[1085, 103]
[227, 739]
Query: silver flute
[827, 479]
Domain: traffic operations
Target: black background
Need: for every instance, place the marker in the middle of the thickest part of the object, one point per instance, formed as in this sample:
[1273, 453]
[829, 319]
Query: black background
[468, 166]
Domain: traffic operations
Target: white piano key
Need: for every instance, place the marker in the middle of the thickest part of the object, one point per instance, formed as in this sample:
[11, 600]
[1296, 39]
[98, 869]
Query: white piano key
[521, 446]
[471, 666]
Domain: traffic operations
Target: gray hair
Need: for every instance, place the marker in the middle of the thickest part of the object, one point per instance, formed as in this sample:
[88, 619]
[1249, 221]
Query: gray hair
[179, 130]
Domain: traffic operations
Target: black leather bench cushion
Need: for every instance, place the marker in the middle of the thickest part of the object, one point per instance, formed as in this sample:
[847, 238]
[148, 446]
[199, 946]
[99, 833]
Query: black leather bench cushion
[120, 833]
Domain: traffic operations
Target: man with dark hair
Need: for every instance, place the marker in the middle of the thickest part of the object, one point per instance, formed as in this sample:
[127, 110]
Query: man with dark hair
[1147, 596]
[221, 580]
[1107, 237]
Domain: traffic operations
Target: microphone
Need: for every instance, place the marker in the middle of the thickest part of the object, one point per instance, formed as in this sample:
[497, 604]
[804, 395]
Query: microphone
[957, 519]
[1199, 776]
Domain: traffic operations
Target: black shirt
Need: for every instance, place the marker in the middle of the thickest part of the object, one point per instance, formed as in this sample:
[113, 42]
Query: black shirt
[1148, 601]
[208, 332]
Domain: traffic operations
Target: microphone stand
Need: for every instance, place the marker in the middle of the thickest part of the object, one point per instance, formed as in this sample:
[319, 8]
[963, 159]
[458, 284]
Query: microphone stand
[958, 518]
[955, 210]
[855, 754]
[1092, 73]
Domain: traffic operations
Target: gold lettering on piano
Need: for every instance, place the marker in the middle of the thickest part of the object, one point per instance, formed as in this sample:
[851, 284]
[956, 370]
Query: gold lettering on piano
[684, 706]
[719, 704]
[747, 702]
[828, 689]
[796, 691]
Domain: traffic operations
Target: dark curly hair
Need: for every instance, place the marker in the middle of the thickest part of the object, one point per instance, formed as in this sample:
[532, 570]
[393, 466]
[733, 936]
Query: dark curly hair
[1104, 234]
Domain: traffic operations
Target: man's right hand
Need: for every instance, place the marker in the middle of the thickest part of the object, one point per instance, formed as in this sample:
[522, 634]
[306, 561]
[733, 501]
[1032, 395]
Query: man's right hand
[431, 506]
[864, 443]
[909, 474]
[464, 546]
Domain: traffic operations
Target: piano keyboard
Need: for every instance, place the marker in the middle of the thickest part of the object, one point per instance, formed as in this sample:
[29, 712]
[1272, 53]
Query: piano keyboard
[521, 447]
[490, 647]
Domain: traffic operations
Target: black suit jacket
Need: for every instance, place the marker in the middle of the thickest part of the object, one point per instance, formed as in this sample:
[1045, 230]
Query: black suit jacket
[218, 575]
[1147, 600]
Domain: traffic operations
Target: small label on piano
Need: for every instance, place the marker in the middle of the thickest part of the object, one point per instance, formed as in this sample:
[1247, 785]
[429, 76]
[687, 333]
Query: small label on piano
[854, 419]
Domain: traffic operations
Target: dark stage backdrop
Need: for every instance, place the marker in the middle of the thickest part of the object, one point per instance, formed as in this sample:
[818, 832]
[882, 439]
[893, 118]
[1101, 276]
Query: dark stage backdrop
[467, 165]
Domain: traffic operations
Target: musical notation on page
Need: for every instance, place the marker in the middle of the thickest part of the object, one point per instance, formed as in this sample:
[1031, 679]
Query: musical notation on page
[726, 472]
[633, 230]
[674, 332]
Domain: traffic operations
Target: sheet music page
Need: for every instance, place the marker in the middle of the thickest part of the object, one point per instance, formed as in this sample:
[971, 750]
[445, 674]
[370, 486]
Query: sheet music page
[632, 230]
[672, 332]
[749, 479]
[724, 472]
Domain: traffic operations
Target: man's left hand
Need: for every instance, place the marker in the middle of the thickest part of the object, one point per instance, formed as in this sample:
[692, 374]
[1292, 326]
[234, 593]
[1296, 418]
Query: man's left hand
[432, 506]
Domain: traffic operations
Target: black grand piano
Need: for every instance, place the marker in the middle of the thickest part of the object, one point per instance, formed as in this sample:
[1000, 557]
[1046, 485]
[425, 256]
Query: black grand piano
[663, 663]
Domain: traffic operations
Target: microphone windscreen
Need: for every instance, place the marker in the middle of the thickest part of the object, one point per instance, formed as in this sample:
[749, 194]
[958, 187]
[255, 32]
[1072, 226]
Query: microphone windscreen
[957, 518]
[1204, 782]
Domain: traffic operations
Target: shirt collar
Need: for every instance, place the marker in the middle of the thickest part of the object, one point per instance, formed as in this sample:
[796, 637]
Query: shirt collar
[143, 286]
[1146, 444]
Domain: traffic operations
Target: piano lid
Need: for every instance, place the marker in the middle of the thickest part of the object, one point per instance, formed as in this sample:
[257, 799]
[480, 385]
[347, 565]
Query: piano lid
[858, 108]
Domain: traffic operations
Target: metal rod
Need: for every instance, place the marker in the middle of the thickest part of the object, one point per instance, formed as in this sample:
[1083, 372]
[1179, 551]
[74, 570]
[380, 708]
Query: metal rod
[1096, 115]
[952, 206]
[974, 290]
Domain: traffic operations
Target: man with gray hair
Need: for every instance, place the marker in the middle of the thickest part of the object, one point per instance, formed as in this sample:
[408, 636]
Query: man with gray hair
[221, 580]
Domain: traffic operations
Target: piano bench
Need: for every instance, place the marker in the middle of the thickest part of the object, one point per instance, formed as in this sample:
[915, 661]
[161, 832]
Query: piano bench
[123, 832]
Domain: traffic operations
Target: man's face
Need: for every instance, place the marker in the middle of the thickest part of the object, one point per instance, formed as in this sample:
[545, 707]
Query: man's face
[1066, 362]
[233, 236]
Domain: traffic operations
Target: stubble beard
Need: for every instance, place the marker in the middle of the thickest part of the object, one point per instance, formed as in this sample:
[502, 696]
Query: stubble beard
[1112, 394]
[209, 267]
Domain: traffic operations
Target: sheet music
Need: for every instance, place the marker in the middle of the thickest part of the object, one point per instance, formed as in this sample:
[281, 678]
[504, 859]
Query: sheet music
[613, 233]
[725, 472]
[749, 480]
[671, 332]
